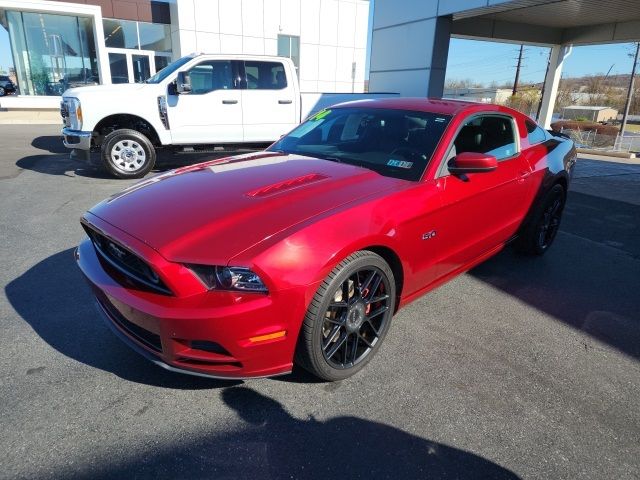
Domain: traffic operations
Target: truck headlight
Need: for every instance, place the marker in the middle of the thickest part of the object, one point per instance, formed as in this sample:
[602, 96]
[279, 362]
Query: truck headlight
[228, 278]
[75, 113]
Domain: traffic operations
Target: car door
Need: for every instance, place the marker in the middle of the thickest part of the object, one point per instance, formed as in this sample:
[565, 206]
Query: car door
[480, 211]
[268, 101]
[212, 111]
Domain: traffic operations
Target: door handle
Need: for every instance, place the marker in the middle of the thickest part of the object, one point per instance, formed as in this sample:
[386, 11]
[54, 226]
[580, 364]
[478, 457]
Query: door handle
[229, 102]
[522, 176]
[285, 102]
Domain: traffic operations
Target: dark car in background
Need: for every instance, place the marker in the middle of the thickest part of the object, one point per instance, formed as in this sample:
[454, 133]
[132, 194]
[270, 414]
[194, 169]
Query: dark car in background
[6, 86]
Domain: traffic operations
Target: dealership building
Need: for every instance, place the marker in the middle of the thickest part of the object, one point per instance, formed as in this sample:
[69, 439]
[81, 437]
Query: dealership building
[50, 45]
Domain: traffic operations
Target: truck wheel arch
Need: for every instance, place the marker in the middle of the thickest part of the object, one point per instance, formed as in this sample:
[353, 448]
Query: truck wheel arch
[128, 121]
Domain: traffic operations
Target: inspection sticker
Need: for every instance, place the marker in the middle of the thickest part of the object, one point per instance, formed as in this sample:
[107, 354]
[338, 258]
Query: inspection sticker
[399, 163]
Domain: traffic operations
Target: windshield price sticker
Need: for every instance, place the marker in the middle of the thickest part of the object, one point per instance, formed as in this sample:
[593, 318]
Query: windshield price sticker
[320, 115]
[399, 163]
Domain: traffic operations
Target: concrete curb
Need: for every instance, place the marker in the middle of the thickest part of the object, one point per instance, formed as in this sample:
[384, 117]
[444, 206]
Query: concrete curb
[18, 121]
[605, 153]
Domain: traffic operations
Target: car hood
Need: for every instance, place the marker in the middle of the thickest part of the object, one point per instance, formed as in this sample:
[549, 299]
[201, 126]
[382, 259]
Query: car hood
[120, 89]
[213, 211]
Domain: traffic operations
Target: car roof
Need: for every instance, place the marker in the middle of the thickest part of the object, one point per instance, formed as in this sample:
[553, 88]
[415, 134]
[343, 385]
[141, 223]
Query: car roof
[432, 105]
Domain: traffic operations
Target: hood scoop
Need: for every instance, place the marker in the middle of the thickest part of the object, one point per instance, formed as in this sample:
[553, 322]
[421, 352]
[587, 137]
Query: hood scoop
[285, 185]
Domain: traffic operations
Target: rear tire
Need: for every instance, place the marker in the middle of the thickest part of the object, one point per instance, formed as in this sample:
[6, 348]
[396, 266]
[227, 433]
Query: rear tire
[540, 232]
[127, 154]
[348, 317]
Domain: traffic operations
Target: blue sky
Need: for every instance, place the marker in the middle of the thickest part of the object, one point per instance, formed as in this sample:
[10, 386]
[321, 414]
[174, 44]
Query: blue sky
[485, 62]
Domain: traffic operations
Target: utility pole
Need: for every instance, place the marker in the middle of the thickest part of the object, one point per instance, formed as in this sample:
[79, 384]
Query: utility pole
[515, 82]
[543, 84]
[630, 91]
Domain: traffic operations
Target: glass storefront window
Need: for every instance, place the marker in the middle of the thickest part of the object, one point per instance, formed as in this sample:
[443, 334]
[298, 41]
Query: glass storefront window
[120, 33]
[52, 52]
[161, 62]
[118, 64]
[141, 68]
[289, 46]
[155, 36]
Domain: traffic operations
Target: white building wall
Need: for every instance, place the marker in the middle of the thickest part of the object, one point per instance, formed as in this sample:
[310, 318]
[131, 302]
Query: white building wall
[333, 35]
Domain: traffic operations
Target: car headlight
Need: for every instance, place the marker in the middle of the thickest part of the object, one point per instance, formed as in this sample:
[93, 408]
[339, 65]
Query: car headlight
[228, 278]
[74, 112]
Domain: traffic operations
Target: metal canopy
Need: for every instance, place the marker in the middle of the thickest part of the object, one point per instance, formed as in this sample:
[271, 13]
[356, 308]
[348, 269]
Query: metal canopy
[553, 21]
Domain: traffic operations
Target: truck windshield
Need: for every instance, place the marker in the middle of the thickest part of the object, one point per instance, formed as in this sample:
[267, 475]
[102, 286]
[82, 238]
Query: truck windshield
[394, 143]
[169, 69]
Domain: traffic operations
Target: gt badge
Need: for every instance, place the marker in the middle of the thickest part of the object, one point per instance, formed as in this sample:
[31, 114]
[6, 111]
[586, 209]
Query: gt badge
[428, 235]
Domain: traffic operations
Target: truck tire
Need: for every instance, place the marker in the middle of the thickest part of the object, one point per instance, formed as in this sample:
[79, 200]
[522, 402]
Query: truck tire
[2, 92]
[127, 154]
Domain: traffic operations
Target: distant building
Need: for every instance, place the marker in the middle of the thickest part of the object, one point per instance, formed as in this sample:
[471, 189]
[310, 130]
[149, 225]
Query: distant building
[595, 114]
[478, 94]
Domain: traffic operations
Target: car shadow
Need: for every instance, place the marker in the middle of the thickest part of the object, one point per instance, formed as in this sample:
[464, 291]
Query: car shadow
[585, 279]
[55, 300]
[59, 162]
[49, 143]
[271, 443]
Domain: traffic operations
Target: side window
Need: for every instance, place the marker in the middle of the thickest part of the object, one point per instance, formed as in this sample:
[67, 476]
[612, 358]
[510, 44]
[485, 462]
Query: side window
[535, 133]
[265, 76]
[211, 75]
[490, 134]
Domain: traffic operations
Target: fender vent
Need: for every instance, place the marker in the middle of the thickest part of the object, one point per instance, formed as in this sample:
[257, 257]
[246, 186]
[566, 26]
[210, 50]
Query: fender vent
[287, 185]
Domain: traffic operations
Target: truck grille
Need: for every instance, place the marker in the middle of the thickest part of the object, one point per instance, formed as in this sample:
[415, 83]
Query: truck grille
[126, 262]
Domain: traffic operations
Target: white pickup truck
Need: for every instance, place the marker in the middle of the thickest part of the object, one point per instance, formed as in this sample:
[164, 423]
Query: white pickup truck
[198, 102]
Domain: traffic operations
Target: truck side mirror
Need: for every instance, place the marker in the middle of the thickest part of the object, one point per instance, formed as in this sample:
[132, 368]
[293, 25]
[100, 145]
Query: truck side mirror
[183, 83]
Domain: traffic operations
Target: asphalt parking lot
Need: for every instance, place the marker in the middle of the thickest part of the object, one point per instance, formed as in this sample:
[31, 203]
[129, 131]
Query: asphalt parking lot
[521, 368]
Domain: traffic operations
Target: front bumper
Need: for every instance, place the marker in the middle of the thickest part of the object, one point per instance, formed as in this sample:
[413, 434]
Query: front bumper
[169, 330]
[76, 139]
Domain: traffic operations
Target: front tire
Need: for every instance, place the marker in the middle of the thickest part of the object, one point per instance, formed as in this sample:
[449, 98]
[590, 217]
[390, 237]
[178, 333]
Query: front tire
[348, 317]
[127, 154]
[541, 230]
[3, 92]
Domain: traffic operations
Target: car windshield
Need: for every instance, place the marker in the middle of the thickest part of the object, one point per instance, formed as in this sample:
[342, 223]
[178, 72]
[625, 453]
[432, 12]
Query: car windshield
[169, 69]
[394, 143]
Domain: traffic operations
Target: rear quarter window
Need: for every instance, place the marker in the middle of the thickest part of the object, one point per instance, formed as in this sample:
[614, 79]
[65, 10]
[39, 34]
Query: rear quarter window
[535, 133]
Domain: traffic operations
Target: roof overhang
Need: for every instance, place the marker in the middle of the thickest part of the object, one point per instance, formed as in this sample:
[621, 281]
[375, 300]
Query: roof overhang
[552, 22]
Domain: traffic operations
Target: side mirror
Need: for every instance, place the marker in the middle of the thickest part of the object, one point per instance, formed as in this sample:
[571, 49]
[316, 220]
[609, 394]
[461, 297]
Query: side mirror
[183, 83]
[472, 162]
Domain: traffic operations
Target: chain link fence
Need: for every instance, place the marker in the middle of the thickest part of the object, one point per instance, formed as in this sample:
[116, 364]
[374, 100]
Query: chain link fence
[598, 141]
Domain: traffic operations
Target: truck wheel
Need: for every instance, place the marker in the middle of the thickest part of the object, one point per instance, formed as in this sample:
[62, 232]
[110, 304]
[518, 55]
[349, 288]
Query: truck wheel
[128, 154]
[2, 92]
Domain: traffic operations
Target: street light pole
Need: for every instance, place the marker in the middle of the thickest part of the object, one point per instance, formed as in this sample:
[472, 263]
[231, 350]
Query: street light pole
[630, 91]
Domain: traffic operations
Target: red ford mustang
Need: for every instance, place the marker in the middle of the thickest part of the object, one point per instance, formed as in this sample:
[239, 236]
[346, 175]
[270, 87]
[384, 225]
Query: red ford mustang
[303, 253]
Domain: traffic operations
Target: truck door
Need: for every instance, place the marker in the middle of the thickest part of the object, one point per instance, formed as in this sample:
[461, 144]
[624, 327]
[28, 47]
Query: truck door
[269, 101]
[212, 112]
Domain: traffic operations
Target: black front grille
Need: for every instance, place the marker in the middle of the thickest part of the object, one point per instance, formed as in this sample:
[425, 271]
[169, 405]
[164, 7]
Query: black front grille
[126, 262]
[143, 335]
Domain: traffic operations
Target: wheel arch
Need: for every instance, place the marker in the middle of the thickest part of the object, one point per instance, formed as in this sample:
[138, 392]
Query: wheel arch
[125, 120]
[381, 245]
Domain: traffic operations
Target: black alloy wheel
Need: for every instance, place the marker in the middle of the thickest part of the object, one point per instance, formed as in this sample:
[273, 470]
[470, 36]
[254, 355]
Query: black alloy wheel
[538, 234]
[550, 223]
[348, 318]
